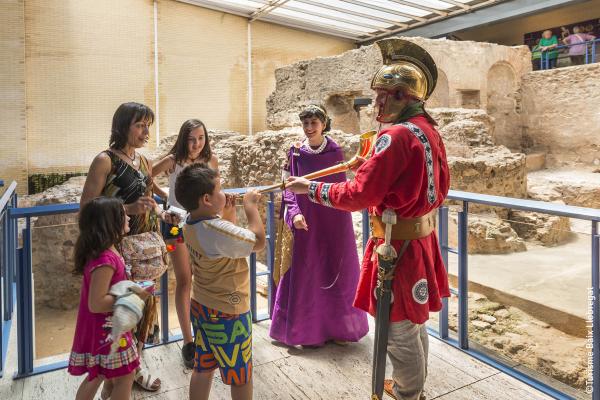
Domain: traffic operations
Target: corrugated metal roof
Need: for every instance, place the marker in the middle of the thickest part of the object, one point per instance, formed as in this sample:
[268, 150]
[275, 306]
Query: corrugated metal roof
[359, 20]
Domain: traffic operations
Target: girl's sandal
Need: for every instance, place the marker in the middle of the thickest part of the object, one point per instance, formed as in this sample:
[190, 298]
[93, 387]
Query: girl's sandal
[146, 381]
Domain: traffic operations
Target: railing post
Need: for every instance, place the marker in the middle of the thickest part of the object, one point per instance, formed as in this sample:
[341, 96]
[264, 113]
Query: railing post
[443, 241]
[365, 229]
[164, 307]
[593, 51]
[25, 307]
[545, 60]
[164, 289]
[253, 286]
[271, 250]
[5, 269]
[12, 244]
[463, 278]
[586, 52]
[595, 313]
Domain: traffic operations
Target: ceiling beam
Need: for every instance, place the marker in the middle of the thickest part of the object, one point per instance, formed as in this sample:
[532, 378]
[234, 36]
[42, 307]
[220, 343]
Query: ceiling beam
[421, 7]
[457, 4]
[383, 9]
[217, 6]
[328, 30]
[267, 8]
[323, 14]
[352, 12]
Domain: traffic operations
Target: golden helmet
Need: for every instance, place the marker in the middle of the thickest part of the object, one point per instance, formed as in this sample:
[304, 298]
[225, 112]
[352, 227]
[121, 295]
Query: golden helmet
[406, 66]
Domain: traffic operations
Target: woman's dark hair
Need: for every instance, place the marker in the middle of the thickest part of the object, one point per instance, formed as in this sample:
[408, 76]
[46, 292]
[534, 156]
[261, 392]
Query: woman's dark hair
[101, 224]
[180, 148]
[315, 110]
[193, 182]
[126, 114]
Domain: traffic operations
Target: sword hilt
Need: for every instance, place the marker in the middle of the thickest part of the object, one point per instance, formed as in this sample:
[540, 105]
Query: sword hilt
[386, 249]
[389, 219]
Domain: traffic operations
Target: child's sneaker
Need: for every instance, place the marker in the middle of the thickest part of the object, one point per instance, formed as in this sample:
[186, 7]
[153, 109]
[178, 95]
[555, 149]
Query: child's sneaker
[188, 351]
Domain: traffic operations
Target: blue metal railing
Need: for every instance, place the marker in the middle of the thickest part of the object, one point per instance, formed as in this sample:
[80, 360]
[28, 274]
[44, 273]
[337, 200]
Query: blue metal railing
[22, 263]
[590, 53]
[8, 257]
[587, 214]
[24, 282]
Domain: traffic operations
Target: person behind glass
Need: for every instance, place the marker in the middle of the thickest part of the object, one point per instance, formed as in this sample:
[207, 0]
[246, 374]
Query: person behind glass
[536, 56]
[578, 49]
[102, 225]
[313, 304]
[548, 44]
[121, 172]
[192, 146]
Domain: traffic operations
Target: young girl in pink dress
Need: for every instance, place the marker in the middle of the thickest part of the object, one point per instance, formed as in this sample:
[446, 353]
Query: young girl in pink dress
[102, 224]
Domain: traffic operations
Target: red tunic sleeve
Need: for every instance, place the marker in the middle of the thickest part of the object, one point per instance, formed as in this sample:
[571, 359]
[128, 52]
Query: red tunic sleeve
[408, 173]
[373, 179]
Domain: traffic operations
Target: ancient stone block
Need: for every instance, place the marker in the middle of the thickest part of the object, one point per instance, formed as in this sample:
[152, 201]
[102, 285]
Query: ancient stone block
[535, 161]
[487, 235]
[549, 230]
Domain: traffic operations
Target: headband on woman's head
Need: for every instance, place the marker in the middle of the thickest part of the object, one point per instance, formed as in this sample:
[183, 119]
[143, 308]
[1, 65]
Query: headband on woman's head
[314, 107]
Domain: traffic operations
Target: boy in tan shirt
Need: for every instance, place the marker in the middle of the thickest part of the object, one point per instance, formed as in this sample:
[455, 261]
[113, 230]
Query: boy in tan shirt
[220, 307]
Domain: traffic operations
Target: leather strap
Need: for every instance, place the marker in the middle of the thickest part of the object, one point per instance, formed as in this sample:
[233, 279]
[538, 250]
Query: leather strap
[405, 228]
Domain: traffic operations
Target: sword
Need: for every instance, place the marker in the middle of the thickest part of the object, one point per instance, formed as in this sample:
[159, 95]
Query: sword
[387, 258]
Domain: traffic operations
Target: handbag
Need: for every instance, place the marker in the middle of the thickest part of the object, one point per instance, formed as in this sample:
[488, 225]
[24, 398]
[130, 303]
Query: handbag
[145, 255]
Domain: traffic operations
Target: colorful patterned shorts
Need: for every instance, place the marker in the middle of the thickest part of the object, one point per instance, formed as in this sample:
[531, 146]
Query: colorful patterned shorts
[223, 341]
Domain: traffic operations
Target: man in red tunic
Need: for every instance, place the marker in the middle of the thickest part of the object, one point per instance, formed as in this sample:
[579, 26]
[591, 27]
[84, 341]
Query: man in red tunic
[407, 173]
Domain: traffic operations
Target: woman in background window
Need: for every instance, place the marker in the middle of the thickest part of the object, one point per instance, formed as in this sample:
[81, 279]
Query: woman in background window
[578, 49]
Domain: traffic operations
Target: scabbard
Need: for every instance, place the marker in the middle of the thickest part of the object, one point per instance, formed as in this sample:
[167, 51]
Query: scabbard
[382, 323]
[386, 267]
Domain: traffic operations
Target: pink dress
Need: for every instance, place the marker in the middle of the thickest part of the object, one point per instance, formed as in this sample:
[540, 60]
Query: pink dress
[92, 341]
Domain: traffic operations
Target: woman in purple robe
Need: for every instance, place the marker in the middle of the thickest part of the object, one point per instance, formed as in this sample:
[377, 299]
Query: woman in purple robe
[314, 297]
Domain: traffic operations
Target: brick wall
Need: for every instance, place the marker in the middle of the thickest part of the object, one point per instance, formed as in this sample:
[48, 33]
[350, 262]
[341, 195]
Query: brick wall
[73, 62]
[13, 134]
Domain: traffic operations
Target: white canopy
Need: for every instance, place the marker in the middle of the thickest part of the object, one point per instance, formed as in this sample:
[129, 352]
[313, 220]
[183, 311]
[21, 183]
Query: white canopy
[359, 20]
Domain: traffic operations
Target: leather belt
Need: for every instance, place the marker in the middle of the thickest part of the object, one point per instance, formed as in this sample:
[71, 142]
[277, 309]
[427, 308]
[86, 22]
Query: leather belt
[405, 228]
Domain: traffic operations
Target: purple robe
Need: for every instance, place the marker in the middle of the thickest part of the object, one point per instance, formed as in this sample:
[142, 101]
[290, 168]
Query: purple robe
[314, 298]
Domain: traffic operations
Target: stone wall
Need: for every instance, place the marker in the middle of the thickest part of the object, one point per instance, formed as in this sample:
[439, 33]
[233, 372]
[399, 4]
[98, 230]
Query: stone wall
[476, 163]
[471, 75]
[561, 114]
[253, 160]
